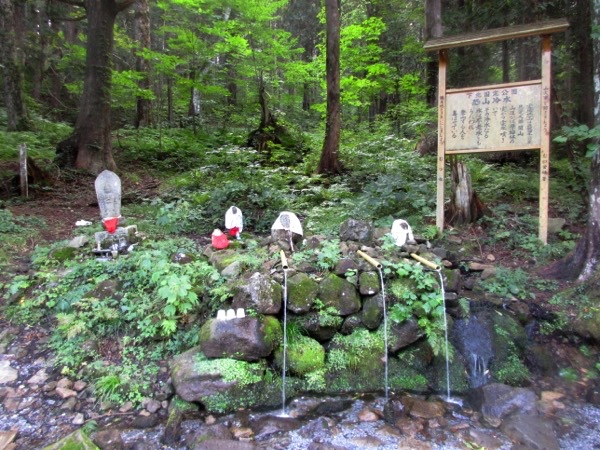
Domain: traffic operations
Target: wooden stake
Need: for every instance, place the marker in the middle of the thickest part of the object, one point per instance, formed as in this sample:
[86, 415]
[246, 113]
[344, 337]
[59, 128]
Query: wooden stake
[441, 161]
[545, 143]
[23, 173]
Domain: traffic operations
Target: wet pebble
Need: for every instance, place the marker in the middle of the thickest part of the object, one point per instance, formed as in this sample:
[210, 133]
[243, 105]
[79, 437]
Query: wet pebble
[108, 439]
[369, 415]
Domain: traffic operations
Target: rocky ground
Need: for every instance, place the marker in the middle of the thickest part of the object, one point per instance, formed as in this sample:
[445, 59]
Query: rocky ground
[39, 406]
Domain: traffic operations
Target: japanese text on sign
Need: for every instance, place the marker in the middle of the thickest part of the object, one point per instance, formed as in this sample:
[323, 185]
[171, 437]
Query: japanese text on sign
[493, 119]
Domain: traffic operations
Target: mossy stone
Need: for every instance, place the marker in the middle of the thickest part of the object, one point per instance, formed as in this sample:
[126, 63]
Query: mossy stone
[372, 312]
[273, 330]
[508, 342]
[339, 294]
[77, 440]
[302, 292]
[304, 355]
[63, 254]
[355, 362]
[368, 283]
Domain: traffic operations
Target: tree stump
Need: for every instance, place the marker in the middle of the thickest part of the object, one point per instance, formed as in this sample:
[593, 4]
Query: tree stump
[465, 206]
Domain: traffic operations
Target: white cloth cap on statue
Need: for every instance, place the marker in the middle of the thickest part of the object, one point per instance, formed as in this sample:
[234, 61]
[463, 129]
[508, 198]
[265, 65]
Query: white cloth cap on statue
[401, 232]
[288, 221]
[234, 219]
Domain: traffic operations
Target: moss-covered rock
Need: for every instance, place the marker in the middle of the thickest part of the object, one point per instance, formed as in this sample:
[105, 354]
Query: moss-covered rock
[320, 325]
[260, 293]
[304, 355]
[508, 343]
[63, 254]
[356, 362]
[77, 440]
[246, 338]
[179, 409]
[223, 258]
[223, 385]
[302, 292]
[368, 283]
[110, 288]
[272, 330]
[339, 294]
[587, 324]
[372, 311]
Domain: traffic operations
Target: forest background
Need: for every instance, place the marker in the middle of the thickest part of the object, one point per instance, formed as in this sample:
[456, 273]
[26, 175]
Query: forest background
[213, 103]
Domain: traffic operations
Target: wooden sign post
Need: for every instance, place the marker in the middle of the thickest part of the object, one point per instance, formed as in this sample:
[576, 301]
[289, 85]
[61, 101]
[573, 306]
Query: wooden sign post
[23, 170]
[502, 117]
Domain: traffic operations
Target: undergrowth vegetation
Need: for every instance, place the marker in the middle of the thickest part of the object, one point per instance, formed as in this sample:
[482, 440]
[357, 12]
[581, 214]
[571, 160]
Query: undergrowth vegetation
[114, 322]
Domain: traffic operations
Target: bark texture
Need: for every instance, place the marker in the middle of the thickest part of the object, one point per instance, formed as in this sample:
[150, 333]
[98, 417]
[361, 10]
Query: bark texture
[465, 207]
[89, 147]
[142, 36]
[329, 162]
[584, 261]
[11, 70]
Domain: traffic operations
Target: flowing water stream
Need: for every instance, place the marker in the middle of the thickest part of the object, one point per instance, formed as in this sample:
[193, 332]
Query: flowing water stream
[283, 370]
[385, 332]
[443, 295]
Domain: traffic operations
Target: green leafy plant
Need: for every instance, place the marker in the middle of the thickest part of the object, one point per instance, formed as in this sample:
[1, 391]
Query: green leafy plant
[509, 282]
[419, 298]
[329, 254]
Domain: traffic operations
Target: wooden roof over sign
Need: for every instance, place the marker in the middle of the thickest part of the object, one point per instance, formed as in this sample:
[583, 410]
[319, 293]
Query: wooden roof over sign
[497, 34]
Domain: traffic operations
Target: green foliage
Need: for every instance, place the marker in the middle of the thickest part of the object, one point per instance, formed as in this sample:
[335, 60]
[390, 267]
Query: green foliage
[175, 217]
[419, 298]
[14, 233]
[149, 304]
[517, 229]
[353, 351]
[40, 143]
[107, 388]
[329, 254]
[328, 316]
[581, 133]
[242, 373]
[513, 371]
[507, 283]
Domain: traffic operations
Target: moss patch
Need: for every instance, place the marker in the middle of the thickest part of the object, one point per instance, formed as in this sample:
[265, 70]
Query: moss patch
[273, 330]
[304, 355]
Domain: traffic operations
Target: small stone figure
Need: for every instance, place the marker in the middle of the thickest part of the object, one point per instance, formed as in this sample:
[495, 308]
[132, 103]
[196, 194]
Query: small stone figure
[108, 192]
[288, 223]
[219, 240]
[234, 222]
[401, 232]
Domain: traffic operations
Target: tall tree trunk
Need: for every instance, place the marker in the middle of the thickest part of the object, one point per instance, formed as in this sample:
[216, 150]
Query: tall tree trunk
[433, 29]
[38, 61]
[584, 56]
[584, 261]
[11, 70]
[89, 147]
[329, 162]
[142, 36]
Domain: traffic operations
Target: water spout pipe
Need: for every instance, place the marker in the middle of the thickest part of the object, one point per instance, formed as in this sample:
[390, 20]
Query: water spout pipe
[425, 262]
[284, 262]
[370, 260]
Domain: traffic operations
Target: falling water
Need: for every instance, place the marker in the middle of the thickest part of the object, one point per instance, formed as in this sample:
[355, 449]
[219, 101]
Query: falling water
[385, 332]
[443, 294]
[283, 413]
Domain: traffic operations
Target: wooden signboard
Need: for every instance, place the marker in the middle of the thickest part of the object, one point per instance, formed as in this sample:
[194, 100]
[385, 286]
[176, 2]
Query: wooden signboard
[503, 117]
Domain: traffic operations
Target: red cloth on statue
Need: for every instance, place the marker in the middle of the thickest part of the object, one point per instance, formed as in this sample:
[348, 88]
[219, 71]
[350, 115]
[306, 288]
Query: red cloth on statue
[219, 240]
